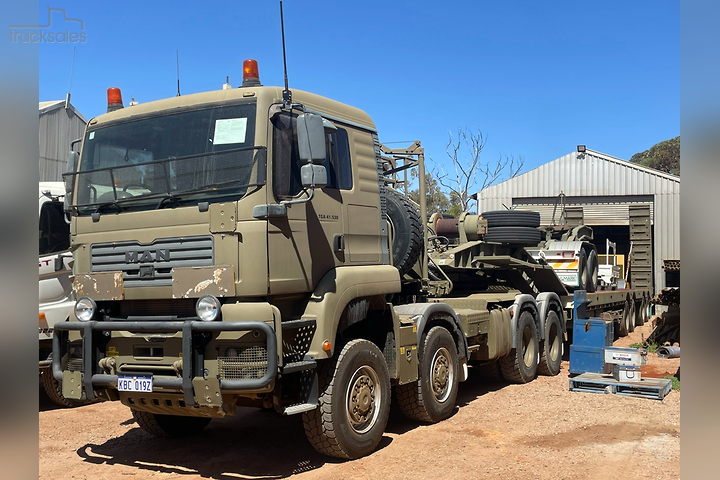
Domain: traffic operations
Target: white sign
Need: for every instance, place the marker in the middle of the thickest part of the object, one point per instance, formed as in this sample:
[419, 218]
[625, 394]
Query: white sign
[229, 130]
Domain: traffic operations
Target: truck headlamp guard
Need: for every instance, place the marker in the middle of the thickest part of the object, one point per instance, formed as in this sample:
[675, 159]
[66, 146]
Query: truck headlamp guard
[85, 309]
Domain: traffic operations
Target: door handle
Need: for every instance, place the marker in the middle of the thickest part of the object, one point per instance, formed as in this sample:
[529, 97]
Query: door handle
[339, 242]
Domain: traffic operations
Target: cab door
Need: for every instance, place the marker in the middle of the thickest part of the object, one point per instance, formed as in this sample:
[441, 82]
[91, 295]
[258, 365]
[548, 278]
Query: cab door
[307, 243]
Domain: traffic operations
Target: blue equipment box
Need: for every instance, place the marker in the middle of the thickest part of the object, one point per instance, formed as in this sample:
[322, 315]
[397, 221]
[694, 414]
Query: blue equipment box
[584, 359]
[593, 332]
[590, 336]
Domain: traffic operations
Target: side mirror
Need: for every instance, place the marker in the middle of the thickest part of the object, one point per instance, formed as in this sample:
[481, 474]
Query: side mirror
[311, 138]
[313, 176]
[69, 178]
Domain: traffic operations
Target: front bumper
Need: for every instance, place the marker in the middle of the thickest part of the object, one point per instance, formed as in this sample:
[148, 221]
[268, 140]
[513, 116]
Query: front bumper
[191, 349]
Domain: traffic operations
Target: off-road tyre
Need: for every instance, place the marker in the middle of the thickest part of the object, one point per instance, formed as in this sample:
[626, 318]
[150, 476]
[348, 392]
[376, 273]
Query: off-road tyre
[512, 218]
[489, 372]
[53, 388]
[582, 270]
[631, 319]
[551, 349]
[591, 271]
[332, 428]
[525, 236]
[639, 315]
[407, 239]
[169, 425]
[624, 325]
[432, 397]
[520, 365]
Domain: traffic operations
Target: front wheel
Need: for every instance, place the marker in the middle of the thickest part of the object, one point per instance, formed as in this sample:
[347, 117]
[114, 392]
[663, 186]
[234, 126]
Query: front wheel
[520, 365]
[432, 397]
[354, 402]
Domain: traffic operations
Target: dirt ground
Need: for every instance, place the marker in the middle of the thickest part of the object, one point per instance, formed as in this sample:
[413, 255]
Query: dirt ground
[540, 430]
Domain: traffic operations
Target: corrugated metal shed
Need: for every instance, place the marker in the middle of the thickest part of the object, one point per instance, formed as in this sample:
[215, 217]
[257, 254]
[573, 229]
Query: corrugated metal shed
[605, 186]
[58, 127]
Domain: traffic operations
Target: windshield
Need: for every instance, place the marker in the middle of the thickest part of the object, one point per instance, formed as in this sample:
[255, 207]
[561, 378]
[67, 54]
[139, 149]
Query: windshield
[205, 154]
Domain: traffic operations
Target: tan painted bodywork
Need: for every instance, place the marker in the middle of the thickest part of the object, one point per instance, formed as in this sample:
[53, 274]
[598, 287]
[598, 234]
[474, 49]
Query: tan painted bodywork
[265, 270]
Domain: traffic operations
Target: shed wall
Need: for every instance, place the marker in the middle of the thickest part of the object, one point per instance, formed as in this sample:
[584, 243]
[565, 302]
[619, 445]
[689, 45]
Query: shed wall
[58, 128]
[613, 182]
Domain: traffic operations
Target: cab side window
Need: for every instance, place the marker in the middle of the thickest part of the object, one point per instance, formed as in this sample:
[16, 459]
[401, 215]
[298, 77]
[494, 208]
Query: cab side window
[54, 231]
[287, 163]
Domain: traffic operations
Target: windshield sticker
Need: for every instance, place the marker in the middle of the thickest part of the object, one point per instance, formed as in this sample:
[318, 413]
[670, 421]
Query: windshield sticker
[92, 135]
[229, 130]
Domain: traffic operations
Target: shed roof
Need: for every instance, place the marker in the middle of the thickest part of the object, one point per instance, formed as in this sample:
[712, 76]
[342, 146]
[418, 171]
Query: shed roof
[51, 105]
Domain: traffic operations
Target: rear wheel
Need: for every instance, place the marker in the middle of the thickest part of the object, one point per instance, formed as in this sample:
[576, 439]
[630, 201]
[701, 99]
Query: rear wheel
[354, 402]
[631, 317]
[169, 425]
[520, 365]
[432, 397]
[582, 273]
[591, 272]
[551, 347]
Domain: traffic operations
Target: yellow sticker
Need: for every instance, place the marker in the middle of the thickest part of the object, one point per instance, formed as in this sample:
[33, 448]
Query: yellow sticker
[414, 347]
[111, 352]
[402, 350]
[415, 327]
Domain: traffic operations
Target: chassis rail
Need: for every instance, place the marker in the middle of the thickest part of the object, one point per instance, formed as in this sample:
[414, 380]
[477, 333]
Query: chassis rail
[91, 379]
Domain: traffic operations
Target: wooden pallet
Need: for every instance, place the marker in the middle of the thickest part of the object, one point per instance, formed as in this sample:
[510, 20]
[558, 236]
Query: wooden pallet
[654, 388]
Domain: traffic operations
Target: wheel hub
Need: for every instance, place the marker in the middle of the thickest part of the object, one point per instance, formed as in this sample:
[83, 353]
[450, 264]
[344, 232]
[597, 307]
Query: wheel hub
[362, 399]
[441, 372]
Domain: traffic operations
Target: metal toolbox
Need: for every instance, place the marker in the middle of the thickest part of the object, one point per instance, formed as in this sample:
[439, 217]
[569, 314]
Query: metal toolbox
[625, 356]
[626, 373]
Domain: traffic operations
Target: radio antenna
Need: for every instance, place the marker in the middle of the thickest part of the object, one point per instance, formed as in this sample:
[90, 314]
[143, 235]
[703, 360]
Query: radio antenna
[72, 70]
[177, 62]
[287, 94]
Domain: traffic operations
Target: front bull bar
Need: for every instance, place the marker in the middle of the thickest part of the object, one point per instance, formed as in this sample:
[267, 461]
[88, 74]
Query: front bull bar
[91, 379]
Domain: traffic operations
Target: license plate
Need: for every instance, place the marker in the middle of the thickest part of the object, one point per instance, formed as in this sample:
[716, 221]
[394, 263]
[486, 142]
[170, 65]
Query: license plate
[135, 384]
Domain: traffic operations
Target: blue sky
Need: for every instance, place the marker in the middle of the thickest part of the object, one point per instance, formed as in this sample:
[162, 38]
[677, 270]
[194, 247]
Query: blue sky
[538, 78]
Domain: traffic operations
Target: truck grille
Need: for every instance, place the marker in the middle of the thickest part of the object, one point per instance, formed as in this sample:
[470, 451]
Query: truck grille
[151, 264]
[240, 363]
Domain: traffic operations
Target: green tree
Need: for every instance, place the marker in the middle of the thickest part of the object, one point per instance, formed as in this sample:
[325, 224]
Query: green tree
[435, 198]
[663, 156]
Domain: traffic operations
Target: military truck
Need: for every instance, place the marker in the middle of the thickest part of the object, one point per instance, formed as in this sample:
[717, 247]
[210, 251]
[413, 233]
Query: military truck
[251, 247]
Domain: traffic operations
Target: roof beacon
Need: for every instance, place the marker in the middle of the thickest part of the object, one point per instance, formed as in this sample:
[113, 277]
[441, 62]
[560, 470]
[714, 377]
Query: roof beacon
[114, 98]
[251, 77]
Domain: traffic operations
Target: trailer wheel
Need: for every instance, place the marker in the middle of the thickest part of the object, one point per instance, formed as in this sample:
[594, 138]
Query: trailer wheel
[551, 348]
[591, 272]
[639, 307]
[631, 316]
[432, 397]
[512, 218]
[582, 267]
[407, 238]
[354, 402]
[520, 365]
[526, 236]
[169, 425]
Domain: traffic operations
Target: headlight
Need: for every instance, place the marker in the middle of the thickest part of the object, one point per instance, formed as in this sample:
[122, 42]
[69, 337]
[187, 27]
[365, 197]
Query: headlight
[85, 309]
[208, 308]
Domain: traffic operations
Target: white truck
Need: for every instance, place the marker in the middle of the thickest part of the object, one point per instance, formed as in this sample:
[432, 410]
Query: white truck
[55, 286]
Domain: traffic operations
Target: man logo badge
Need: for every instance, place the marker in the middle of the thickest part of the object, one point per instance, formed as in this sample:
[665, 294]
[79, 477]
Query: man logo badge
[148, 256]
